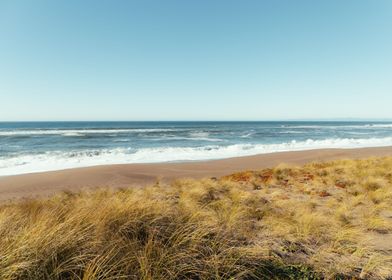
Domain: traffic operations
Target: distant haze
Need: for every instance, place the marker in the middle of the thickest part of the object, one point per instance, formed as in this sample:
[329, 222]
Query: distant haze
[195, 60]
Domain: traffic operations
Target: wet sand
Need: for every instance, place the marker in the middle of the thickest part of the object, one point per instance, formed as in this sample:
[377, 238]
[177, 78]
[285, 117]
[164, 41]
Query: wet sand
[139, 175]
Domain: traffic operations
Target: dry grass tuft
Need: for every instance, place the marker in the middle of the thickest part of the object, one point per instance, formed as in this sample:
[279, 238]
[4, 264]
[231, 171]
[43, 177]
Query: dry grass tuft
[324, 220]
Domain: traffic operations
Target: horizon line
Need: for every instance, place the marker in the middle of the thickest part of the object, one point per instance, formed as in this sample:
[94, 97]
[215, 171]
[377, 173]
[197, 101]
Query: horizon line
[171, 120]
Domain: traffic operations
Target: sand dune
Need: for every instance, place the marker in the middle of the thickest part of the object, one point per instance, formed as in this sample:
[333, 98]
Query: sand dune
[137, 175]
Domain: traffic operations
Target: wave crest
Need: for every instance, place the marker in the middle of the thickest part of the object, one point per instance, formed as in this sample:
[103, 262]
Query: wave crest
[62, 160]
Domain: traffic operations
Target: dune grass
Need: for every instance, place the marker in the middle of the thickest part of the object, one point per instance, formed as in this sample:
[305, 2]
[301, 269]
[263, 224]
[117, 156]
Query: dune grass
[321, 221]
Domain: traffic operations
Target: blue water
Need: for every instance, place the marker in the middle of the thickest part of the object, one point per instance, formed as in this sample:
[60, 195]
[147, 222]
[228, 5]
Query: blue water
[41, 146]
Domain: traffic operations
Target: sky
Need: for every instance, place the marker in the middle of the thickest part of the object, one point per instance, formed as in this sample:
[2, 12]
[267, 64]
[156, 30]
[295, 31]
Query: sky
[195, 60]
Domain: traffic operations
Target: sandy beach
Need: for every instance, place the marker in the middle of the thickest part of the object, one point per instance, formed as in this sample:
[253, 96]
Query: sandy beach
[138, 175]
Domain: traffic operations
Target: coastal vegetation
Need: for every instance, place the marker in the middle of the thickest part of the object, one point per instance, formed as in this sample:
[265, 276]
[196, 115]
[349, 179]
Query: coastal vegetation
[324, 220]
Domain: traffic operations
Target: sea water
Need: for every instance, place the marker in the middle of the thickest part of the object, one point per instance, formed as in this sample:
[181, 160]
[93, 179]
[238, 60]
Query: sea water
[41, 146]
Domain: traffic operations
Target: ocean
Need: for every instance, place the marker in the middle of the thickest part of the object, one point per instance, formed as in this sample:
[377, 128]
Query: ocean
[42, 146]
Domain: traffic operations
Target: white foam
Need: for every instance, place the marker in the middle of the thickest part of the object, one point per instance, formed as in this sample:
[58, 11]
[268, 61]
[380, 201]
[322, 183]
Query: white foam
[194, 136]
[291, 132]
[199, 134]
[73, 133]
[248, 134]
[363, 126]
[81, 132]
[380, 125]
[62, 160]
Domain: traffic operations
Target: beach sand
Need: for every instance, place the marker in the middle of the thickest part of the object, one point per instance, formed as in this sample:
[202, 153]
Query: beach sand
[138, 175]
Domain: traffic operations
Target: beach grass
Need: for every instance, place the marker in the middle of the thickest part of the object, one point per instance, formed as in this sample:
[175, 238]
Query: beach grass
[325, 220]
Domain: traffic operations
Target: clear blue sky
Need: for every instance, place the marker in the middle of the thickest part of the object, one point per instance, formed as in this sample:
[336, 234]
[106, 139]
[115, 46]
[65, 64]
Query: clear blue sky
[195, 60]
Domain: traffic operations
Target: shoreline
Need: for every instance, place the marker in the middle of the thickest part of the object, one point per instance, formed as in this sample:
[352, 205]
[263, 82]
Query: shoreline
[141, 174]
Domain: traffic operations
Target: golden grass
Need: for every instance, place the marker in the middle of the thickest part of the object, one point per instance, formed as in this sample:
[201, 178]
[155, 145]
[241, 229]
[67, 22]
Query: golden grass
[321, 221]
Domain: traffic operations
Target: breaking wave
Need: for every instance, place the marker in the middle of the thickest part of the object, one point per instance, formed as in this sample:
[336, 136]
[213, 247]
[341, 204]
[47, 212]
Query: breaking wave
[81, 132]
[28, 163]
[363, 126]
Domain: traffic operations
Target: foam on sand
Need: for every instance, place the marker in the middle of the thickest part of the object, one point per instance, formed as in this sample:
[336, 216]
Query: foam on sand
[56, 160]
